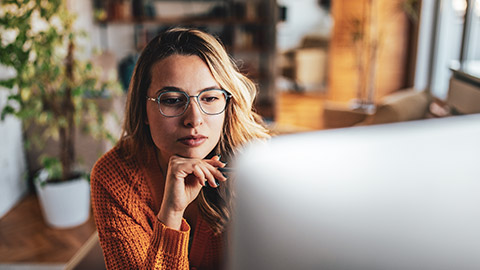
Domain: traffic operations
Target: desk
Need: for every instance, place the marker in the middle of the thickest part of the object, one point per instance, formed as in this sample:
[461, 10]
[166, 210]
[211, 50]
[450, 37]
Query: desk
[26, 242]
[338, 115]
[297, 112]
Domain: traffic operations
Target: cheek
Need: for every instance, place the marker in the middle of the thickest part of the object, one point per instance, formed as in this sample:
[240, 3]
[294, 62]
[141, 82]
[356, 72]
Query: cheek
[164, 134]
[159, 126]
[217, 126]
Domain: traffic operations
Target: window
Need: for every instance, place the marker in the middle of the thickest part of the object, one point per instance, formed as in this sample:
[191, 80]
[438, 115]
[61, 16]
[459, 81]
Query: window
[473, 32]
[455, 25]
[471, 55]
[448, 45]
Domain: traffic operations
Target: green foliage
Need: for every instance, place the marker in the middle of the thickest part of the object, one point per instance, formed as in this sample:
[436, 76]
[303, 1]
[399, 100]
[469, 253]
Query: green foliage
[53, 166]
[51, 88]
[9, 83]
[7, 110]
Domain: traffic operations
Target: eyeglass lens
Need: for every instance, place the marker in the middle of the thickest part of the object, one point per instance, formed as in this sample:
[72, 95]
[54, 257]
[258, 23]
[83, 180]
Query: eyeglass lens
[175, 103]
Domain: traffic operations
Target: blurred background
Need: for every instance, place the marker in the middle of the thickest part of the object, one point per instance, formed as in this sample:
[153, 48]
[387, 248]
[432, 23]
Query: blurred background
[318, 64]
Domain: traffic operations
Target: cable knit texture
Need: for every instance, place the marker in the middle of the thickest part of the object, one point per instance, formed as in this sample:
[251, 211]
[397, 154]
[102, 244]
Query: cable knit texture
[130, 234]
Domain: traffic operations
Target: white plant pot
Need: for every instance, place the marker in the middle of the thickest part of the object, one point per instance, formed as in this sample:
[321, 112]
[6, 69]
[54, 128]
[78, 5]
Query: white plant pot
[64, 204]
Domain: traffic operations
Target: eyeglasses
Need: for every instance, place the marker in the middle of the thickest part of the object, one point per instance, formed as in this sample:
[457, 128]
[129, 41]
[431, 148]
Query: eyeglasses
[173, 103]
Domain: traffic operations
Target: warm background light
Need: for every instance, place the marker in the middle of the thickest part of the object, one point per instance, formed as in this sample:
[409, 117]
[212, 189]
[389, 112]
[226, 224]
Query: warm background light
[392, 33]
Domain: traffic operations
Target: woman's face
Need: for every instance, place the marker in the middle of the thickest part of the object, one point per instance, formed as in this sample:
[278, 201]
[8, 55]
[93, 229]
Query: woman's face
[193, 134]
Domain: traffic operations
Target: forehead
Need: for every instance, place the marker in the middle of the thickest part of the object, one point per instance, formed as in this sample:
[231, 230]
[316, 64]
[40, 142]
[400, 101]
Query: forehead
[186, 72]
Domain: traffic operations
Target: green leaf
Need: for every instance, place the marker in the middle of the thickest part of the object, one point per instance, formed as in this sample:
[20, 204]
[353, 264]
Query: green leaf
[10, 83]
[53, 166]
[6, 111]
[15, 97]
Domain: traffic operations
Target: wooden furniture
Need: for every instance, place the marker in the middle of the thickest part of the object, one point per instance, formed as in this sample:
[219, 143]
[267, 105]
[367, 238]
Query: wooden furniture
[299, 111]
[26, 242]
[362, 27]
[307, 111]
[341, 115]
[464, 88]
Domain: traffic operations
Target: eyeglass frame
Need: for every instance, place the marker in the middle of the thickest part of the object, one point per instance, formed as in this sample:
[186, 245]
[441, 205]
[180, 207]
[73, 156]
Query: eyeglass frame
[227, 94]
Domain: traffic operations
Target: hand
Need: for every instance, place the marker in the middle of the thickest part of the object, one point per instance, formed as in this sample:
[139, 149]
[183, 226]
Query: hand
[184, 179]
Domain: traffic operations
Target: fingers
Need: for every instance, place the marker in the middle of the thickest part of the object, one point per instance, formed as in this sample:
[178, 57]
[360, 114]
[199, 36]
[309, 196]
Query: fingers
[209, 178]
[215, 163]
[211, 174]
[205, 171]
[200, 174]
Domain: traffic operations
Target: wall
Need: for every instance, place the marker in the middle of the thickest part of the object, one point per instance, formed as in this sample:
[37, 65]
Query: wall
[303, 17]
[13, 184]
[117, 38]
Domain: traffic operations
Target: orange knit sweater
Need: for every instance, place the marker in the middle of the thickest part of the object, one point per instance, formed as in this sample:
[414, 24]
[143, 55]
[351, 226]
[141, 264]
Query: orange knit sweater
[130, 234]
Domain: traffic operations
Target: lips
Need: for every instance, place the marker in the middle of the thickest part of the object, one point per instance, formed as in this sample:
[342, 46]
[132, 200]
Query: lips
[193, 141]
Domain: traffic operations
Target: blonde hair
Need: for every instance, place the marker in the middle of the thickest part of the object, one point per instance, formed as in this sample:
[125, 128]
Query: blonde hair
[241, 125]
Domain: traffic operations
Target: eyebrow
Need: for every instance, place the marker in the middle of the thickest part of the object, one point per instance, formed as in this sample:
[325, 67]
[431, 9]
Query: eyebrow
[173, 88]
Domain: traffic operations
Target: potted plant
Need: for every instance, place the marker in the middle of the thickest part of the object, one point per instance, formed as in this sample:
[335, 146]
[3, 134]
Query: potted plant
[54, 90]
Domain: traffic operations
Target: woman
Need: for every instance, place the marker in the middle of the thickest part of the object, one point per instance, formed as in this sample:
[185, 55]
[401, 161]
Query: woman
[159, 199]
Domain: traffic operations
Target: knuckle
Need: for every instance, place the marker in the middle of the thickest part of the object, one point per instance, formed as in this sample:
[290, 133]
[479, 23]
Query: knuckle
[195, 166]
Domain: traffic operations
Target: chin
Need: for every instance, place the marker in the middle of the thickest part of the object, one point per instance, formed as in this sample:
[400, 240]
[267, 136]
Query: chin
[195, 153]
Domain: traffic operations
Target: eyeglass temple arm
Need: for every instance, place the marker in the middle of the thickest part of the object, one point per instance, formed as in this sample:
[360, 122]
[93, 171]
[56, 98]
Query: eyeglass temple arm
[151, 99]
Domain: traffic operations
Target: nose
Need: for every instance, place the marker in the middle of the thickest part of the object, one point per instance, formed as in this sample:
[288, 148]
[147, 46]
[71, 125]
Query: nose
[193, 116]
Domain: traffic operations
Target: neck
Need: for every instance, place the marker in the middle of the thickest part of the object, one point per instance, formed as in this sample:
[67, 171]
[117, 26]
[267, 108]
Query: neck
[162, 161]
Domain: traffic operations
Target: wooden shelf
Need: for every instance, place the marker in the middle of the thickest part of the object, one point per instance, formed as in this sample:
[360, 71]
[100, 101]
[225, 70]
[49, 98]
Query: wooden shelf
[183, 21]
[26, 242]
[247, 29]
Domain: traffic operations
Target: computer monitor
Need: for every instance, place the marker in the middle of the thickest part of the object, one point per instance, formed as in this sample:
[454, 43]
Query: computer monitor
[397, 196]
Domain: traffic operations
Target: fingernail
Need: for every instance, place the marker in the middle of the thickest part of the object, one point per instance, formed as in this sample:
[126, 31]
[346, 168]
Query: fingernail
[224, 175]
[219, 156]
[217, 183]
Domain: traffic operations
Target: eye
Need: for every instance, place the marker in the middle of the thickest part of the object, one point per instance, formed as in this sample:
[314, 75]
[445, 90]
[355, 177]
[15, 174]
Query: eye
[211, 96]
[172, 99]
[209, 99]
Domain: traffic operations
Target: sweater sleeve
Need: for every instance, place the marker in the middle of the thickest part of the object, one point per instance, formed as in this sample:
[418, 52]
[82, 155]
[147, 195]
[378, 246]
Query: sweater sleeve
[126, 242]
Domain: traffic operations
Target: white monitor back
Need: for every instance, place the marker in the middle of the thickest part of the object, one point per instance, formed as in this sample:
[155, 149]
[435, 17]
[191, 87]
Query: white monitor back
[398, 196]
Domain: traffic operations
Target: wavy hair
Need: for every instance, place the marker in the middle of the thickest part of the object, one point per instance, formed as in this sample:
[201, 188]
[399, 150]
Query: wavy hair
[241, 124]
